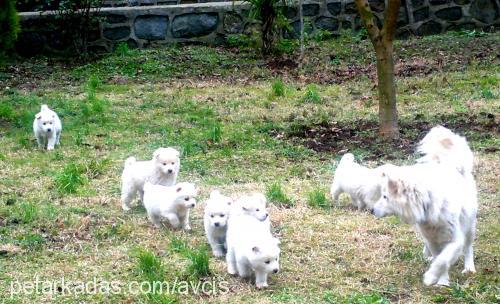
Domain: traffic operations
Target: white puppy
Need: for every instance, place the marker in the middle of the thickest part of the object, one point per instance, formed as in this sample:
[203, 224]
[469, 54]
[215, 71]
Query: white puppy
[171, 203]
[442, 204]
[361, 183]
[251, 249]
[215, 220]
[443, 146]
[47, 128]
[253, 205]
[161, 170]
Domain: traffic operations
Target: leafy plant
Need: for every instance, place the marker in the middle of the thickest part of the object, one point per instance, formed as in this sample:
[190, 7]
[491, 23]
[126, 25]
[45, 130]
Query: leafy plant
[311, 95]
[275, 193]
[278, 88]
[150, 266]
[70, 178]
[317, 198]
[198, 262]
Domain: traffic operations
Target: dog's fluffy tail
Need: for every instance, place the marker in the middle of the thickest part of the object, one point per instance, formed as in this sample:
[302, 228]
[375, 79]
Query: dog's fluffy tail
[346, 159]
[443, 146]
[44, 107]
[129, 161]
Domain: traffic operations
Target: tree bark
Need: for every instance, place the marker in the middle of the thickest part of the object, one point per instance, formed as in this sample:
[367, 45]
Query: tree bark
[301, 18]
[382, 40]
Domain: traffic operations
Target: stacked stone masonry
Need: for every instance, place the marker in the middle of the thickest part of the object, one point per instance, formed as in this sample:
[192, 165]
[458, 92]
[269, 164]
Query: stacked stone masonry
[146, 25]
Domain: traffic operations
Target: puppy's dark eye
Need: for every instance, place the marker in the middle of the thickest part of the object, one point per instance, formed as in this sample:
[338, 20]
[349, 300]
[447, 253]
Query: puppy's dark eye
[186, 199]
[268, 261]
[212, 216]
[44, 123]
[222, 215]
[385, 197]
[173, 163]
[50, 123]
[164, 164]
[257, 210]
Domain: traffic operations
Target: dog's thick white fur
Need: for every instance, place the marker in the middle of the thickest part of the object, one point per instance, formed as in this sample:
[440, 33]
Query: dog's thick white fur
[443, 146]
[47, 128]
[215, 219]
[171, 203]
[361, 183]
[442, 204]
[161, 170]
[251, 249]
[253, 205]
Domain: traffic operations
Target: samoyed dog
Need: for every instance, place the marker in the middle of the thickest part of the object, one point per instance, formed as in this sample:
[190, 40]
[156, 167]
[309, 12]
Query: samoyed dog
[361, 183]
[440, 199]
[170, 203]
[251, 249]
[253, 205]
[47, 128]
[161, 170]
[215, 219]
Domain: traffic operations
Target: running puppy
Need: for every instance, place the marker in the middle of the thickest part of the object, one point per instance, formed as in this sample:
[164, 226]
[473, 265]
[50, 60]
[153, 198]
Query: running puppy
[170, 203]
[215, 221]
[361, 183]
[161, 170]
[47, 128]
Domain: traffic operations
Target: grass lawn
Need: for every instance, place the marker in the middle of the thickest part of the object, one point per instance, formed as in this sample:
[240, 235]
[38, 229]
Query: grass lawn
[243, 124]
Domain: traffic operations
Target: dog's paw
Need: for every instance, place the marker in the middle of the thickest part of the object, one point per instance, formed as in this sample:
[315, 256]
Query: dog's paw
[261, 285]
[125, 208]
[430, 279]
[187, 228]
[218, 254]
[231, 271]
[443, 282]
[469, 269]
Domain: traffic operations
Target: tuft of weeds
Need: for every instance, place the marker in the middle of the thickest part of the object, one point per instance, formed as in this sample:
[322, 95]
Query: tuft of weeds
[198, 266]
[6, 112]
[277, 88]
[317, 198]
[149, 266]
[312, 95]
[275, 194]
[30, 241]
[71, 177]
[356, 298]
[214, 132]
[177, 245]
[96, 168]
[92, 107]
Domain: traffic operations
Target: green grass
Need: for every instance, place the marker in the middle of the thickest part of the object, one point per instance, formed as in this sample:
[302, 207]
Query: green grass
[61, 213]
[278, 88]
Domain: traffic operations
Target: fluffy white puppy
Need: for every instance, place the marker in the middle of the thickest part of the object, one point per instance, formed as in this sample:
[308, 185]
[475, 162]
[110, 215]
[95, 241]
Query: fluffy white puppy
[47, 128]
[443, 146]
[251, 249]
[170, 203]
[253, 205]
[361, 183]
[442, 204]
[217, 209]
[161, 170]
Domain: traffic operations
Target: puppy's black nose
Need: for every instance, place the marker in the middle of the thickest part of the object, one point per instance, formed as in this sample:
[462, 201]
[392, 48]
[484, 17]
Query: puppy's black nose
[169, 171]
[275, 270]
[217, 224]
[372, 211]
[192, 205]
[49, 130]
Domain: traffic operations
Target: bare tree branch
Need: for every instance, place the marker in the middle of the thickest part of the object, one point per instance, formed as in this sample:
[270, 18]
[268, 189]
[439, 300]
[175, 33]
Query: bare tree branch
[390, 19]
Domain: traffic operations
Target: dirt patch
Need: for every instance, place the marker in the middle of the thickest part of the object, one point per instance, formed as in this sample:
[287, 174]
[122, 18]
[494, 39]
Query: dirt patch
[338, 138]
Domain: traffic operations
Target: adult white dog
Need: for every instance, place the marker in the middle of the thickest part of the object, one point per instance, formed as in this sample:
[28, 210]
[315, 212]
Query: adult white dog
[251, 249]
[361, 183]
[170, 203]
[47, 128]
[161, 170]
[215, 219]
[440, 200]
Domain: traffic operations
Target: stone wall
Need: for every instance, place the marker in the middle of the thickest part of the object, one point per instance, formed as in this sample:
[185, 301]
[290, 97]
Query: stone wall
[143, 26]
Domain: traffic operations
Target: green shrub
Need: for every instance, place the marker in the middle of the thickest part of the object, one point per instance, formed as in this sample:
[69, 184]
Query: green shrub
[9, 26]
[70, 178]
[198, 266]
[311, 95]
[278, 88]
[6, 112]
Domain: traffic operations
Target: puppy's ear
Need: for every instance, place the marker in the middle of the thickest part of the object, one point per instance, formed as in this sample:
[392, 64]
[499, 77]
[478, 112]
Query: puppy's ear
[256, 250]
[214, 194]
[395, 186]
[447, 143]
[177, 153]
[38, 116]
[53, 116]
[261, 198]
[179, 189]
[156, 153]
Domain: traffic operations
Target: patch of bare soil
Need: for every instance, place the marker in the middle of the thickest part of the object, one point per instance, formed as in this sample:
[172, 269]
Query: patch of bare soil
[338, 138]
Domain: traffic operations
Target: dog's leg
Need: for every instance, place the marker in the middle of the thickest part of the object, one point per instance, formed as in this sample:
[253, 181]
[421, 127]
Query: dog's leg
[444, 280]
[141, 195]
[443, 261]
[468, 250]
[231, 261]
[51, 141]
[335, 191]
[154, 219]
[427, 253]
[39, 140]
[243, 270]
[185, 221]
[261, 279]
[58, 137]
[173, 219]
[217, 248]
[127, 196]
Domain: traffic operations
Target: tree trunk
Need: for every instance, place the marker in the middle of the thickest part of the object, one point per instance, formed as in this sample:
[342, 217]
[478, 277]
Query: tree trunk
[268, 15]
[388, 114]
[301, 18]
